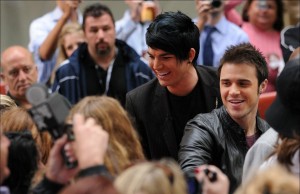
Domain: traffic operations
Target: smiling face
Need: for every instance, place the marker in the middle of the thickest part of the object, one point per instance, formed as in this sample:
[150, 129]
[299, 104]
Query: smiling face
[239, 90]
[263, 13]
[170, 72]
[19, 71]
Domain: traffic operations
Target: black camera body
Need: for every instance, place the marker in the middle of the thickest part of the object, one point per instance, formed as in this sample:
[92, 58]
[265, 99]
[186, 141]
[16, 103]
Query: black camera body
[216, 3]
[49, 112]
[194, 186]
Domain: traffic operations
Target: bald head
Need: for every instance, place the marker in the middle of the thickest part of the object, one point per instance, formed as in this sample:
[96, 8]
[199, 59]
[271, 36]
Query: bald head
[12, 53]
[18, 70]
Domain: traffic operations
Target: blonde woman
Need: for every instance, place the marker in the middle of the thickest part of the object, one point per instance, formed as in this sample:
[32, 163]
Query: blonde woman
[157, 177]
[70, 38]
[6, 103]
[124, 147]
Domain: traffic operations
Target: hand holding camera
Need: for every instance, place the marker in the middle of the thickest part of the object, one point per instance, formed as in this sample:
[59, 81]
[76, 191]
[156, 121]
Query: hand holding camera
[49, 112]
[212, 179]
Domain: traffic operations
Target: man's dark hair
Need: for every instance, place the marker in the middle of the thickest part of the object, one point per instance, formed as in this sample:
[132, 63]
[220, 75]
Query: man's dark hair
[245, 53]
[175, 33]
[96, 10]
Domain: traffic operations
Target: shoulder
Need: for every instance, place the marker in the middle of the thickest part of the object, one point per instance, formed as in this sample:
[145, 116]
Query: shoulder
[44, 18]
[237, 31]
[207, 121]
[144, 90]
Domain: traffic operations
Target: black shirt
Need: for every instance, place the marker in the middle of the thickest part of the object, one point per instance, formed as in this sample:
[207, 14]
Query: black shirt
[96, 79]
[184, 108]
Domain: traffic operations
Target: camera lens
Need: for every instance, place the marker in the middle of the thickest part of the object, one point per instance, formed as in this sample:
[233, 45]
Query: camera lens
[216, 3]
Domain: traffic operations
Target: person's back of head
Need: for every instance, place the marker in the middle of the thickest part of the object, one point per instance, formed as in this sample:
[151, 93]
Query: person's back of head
[22, 161]
[124, 146]
[6, 103]
[161, 177]
[284, 113]
[175, 33]
[273, 180]
[17, 119]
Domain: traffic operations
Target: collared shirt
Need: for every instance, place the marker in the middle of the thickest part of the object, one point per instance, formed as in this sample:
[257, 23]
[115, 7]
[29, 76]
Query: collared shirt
[38, 32]
[226, 34]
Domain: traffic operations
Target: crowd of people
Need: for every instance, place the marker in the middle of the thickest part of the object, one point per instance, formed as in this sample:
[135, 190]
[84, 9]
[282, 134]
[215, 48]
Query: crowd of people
[158, 102]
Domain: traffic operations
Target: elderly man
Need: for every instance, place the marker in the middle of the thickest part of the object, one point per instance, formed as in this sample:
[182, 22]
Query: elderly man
[19, 72]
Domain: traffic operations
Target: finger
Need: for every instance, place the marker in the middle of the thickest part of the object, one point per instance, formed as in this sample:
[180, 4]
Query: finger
[58, 145]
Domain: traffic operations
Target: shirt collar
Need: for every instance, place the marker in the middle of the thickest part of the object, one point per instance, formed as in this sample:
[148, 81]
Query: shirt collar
[221, 26]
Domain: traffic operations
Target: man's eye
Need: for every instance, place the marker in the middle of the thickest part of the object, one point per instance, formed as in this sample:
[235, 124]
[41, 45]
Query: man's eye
[14, 73]
[225, 83]
[27, 69]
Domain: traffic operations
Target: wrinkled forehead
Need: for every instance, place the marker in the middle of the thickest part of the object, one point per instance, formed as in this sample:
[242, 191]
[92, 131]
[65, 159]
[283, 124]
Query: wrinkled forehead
[16, 59]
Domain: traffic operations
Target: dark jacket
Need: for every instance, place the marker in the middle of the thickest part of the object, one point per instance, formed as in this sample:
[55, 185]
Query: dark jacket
[70, 78]
[149, 108]
[214, 138]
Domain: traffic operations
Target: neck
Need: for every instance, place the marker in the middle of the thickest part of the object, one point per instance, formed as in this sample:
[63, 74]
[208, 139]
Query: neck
[248, 123]
[187, 84]
[214, 18]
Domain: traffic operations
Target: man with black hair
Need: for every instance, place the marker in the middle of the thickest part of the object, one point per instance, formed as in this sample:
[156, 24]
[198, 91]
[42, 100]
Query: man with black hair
[161, 108]
[102, 65]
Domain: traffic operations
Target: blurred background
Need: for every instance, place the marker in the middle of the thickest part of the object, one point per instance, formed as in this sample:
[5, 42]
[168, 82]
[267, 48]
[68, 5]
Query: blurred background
[16, 15]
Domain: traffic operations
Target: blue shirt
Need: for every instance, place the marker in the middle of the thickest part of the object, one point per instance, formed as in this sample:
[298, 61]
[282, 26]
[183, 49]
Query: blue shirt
[38, 32]
[226, 34]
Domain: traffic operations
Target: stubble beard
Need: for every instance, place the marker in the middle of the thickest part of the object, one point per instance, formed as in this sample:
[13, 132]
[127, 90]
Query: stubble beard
[103, 53]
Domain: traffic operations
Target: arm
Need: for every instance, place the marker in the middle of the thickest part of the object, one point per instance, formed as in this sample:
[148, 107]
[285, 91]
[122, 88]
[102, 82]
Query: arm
[89, 149]
[137, 124]
[202, 10]
[196, 145]
[49, 45]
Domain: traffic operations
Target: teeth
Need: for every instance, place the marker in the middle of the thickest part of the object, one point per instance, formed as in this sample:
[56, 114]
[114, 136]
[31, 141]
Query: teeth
[162, 74]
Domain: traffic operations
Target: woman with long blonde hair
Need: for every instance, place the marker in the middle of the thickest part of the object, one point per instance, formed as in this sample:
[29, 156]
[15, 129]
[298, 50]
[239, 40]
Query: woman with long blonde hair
[124, 146]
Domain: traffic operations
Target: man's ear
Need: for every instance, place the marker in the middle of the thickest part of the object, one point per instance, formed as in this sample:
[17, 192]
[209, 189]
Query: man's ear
[192, 54]
[263, 86]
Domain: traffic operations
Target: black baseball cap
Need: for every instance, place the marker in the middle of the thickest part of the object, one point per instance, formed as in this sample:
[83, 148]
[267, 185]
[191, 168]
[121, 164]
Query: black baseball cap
[284, 113]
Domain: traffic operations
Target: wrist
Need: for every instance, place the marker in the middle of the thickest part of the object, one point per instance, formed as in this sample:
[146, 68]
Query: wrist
[86, 162]
[93, 170]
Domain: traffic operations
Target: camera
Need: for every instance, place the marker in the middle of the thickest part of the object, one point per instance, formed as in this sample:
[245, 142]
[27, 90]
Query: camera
[49, 112]
[262, 4]
[216, 3]
[194, 186]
